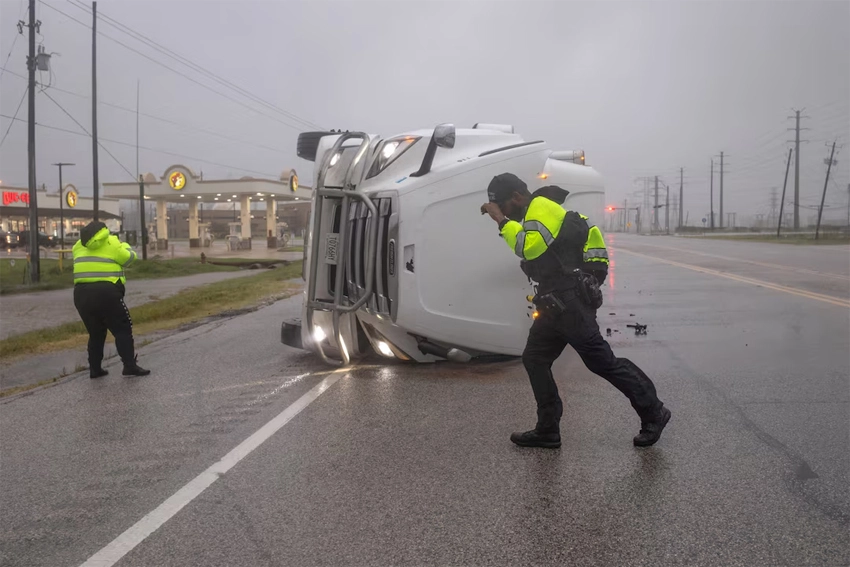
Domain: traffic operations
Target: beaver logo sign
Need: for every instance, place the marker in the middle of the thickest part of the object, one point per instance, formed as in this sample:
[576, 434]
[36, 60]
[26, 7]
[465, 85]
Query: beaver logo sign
[177, 180]
[71, 198]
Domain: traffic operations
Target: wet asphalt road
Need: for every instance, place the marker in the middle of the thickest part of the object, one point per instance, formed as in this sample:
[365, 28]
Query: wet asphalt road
[404, 465]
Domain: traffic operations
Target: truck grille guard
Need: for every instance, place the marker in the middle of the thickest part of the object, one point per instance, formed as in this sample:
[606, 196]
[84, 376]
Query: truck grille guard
[349, 194]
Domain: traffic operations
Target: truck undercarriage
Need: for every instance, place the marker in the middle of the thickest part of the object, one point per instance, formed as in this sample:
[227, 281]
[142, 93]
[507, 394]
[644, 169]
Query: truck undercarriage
[397, 259]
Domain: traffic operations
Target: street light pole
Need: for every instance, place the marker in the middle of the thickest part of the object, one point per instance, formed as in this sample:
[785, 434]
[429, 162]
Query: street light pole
[144, 230]
[95, 176]
[62, 203]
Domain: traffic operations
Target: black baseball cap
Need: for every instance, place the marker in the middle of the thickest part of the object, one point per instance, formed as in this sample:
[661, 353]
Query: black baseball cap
[503, 187]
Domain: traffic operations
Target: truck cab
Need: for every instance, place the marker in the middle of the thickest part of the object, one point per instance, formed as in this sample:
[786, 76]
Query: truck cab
[398, 258]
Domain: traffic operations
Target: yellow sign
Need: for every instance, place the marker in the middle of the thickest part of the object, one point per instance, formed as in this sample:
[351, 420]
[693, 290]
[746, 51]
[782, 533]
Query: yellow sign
[293, 182]
[71, 198]
[177, 180]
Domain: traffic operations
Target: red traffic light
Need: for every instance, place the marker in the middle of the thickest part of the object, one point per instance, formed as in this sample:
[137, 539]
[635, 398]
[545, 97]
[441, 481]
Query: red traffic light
[609, 208]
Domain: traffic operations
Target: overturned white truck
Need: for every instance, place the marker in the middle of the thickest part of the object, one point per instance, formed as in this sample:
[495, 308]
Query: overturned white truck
[398, 258]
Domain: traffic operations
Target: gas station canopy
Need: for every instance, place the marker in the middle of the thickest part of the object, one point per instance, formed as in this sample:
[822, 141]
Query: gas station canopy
[180, 184]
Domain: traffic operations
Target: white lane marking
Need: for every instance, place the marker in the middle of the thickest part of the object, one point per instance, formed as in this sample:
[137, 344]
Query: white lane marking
[754, 262]
[136, 534]
[792, 290]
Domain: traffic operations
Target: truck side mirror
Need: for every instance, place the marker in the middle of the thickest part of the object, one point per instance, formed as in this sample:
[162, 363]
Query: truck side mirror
[443, 137]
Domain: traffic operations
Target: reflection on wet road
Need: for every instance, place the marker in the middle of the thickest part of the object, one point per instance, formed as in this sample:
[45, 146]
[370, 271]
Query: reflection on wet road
[411, 465]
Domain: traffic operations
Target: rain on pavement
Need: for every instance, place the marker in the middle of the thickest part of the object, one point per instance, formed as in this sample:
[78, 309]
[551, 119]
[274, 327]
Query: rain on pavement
[401, 464]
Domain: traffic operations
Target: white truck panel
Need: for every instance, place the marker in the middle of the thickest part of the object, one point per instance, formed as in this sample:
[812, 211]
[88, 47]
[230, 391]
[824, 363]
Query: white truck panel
[457, 284]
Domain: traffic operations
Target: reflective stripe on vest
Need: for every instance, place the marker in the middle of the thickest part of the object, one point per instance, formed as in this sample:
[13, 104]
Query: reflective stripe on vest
[519, 248]
[596, 253]
[541, 228]
[106, 275]
[95, 259]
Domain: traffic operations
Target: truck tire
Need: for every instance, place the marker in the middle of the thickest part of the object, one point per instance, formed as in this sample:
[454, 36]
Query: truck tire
[308, 144]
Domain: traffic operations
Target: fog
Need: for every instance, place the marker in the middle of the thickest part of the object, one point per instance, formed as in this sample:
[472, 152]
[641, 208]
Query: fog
[645, 88]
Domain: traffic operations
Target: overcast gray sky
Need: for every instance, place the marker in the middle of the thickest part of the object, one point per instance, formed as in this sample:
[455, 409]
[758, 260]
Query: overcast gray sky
[643, 87]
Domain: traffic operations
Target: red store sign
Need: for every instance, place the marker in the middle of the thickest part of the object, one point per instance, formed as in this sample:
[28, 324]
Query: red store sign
[10, 197]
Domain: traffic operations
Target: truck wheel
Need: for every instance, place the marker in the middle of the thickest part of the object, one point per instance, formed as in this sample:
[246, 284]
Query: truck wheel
[308, 144]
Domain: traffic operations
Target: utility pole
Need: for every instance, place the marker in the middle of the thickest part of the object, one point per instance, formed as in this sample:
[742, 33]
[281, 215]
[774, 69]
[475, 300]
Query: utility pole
[784, 185]
[35, 264]
[797, 141]
[667, 211]
[626, 215]
[773, 200]
[797, 174]
[712, 194]
[655, 223]
[95, 180]
[62, 203]
[825, 183]
[681, 195]
[137, 127]
[144, 230]
[721, 190]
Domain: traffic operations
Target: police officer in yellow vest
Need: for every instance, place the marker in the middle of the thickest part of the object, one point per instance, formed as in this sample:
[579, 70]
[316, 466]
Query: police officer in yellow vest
[99, 262]
[568, 261]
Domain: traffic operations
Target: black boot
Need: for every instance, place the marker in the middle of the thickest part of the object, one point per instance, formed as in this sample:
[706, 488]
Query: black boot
[97, 373]
[534, 438]
[650, 431]
[134, 369]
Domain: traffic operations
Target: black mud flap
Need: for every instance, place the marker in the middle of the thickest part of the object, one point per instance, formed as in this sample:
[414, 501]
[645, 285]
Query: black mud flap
[290, 333]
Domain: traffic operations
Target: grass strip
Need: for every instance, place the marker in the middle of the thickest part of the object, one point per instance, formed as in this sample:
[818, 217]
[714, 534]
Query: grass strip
[187, 306]
[12, 276]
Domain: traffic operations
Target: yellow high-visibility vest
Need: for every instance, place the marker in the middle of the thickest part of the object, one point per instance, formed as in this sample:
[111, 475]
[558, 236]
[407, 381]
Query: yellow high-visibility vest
[102, 259]
[541, 226]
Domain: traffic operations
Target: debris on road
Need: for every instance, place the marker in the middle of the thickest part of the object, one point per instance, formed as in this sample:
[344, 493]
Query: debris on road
[639, 329]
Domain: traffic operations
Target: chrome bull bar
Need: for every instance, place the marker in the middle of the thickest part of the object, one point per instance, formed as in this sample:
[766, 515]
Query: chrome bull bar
[349, 192]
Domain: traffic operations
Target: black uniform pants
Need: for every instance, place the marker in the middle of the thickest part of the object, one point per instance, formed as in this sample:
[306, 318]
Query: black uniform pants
[101, 307]
[577, 327]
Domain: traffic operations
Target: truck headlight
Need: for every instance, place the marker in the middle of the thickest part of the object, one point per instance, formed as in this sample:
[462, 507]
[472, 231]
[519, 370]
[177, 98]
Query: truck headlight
[385, 349]
[389, 151]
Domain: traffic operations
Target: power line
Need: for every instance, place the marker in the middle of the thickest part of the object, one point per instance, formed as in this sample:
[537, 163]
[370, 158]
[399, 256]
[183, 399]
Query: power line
[180, 59]
[161, 119]
[9, 56]
[26, 90]
[14, 41]
[68, 114]
[155, 150]
[176, 72]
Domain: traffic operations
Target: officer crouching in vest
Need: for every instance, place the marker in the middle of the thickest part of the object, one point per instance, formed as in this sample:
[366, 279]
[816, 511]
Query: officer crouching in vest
[568, 260]
[99, 262]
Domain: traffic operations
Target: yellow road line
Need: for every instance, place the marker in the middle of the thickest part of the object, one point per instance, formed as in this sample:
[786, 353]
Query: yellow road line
[792, 290]
[757, 263]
